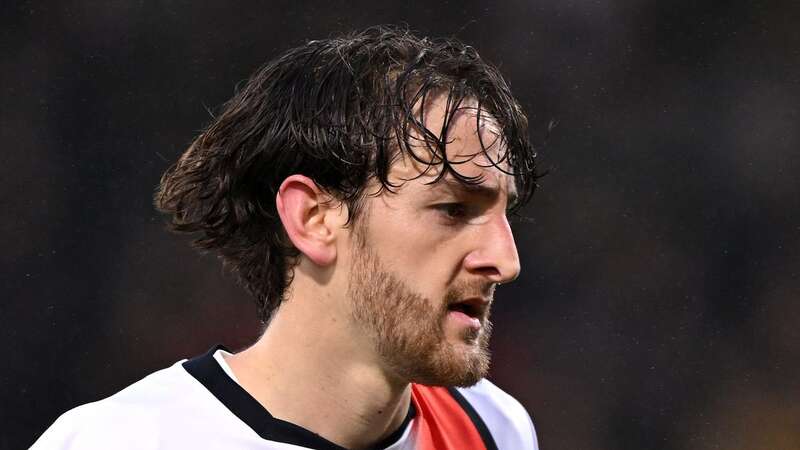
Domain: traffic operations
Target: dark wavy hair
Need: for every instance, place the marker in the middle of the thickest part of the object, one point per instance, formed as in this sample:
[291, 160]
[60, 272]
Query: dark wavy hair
[339, 111]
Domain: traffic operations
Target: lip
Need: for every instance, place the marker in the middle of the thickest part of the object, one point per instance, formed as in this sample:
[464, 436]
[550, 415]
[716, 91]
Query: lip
[473, 307]
[464, 319]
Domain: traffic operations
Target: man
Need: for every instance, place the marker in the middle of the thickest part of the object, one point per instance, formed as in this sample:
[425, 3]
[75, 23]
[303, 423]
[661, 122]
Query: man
[358, 187]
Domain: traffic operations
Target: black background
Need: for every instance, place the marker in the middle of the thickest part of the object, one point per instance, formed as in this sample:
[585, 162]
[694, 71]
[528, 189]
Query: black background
[659, 302]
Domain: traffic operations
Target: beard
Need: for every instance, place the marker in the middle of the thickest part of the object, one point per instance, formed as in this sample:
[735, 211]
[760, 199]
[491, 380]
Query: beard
[408, 329]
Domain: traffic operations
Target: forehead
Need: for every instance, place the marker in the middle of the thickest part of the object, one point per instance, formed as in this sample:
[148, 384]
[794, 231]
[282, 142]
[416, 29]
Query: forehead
[465, 140]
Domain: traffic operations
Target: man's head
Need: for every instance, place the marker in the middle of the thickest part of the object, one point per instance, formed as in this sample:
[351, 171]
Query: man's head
[427, 256]
[421, 145]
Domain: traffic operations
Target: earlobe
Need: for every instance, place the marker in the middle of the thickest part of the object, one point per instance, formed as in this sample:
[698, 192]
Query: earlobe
[302, 208]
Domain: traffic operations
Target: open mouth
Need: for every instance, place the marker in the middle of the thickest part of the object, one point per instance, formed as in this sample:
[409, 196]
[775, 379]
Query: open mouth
[475, 308]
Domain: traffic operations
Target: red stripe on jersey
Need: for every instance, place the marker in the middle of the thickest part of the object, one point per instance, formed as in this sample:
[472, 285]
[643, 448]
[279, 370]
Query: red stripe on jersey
[442, 423]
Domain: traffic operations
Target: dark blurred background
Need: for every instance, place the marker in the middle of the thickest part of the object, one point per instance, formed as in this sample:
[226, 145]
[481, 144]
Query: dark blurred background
[660, 297]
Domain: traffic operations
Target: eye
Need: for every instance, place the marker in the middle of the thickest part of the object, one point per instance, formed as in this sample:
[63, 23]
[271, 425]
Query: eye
[453, 211]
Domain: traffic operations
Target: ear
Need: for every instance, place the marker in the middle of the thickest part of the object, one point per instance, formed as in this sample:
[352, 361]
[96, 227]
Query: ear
[303, 208]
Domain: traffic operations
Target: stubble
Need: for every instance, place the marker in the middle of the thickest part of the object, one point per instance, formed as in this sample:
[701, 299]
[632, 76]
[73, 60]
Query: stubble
[407, 329]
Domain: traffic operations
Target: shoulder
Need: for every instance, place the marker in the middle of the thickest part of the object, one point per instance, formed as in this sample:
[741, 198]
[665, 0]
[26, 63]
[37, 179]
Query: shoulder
[127, 419]
[506, 419]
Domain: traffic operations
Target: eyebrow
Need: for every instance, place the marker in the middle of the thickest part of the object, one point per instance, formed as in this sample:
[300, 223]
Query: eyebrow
[488, 192]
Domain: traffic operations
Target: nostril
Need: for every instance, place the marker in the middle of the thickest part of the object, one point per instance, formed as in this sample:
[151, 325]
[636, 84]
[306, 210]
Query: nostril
[488, 272]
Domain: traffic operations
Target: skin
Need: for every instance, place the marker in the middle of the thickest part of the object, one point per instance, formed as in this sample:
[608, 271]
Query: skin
[366, 313]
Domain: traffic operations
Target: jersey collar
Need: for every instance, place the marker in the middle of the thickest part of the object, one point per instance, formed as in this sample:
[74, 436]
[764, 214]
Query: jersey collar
[207, 371]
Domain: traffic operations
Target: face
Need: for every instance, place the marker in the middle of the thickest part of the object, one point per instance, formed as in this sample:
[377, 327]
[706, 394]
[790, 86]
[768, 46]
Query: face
[425, 261]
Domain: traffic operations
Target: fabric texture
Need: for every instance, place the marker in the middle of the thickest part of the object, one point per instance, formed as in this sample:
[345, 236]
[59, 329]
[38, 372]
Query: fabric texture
[197, 403]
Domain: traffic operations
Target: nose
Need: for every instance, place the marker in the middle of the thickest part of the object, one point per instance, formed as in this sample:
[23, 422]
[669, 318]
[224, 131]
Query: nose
[494, 253]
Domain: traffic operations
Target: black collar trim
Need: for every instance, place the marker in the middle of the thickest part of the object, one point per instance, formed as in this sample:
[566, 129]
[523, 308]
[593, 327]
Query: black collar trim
[480, 425]
[208, 372]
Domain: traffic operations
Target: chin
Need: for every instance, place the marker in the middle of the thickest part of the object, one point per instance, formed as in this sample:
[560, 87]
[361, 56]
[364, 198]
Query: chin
[461, 364]
[463, 379]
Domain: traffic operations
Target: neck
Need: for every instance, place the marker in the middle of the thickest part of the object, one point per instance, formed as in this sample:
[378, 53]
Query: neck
[308, 369]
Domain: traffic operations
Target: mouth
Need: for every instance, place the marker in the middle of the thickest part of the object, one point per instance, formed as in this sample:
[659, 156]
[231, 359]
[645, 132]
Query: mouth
[474, 308]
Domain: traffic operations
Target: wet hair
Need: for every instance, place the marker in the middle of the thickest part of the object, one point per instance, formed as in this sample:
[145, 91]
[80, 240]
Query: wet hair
[338, 111]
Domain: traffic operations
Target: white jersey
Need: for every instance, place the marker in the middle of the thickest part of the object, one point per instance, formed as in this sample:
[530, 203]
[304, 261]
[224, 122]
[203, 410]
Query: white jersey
[198, 403]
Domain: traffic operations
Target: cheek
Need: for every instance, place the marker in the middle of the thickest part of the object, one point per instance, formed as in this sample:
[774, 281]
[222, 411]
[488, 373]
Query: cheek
[413, 243]
[421, 254]
[407, 235]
